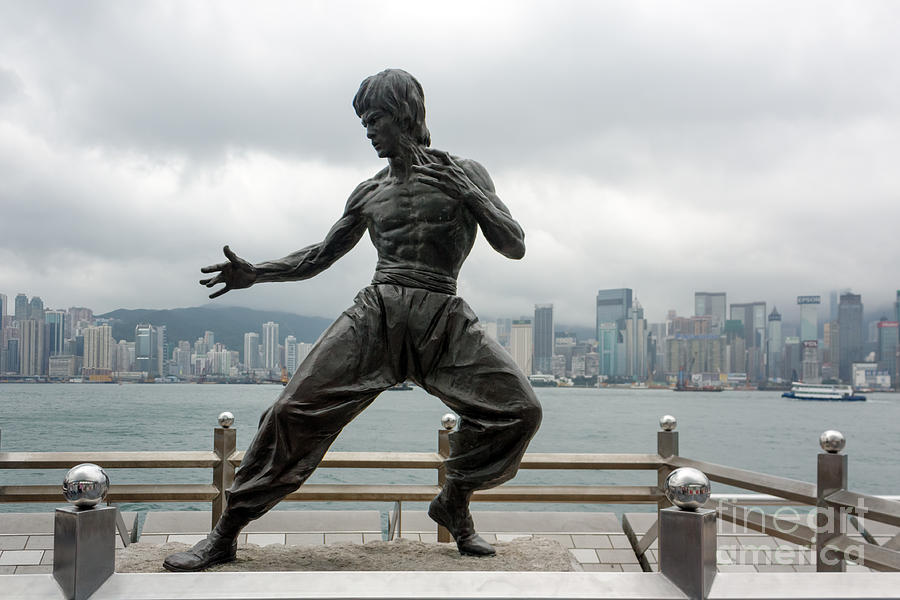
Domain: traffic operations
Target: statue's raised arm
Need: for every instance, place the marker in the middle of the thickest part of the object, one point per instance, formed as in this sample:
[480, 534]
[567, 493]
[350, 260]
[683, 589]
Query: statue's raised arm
[238, 273]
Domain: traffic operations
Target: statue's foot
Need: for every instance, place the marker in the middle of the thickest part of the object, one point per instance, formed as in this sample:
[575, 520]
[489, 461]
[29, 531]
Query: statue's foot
[458, 522]
[206, 553]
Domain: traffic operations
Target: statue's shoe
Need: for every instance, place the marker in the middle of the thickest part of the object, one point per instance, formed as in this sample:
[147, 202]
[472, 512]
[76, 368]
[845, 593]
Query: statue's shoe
[205, 554]
[460, 525]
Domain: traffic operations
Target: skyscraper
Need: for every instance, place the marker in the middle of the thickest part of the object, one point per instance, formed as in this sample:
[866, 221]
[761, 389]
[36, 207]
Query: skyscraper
[635, 343]
[56, 331]
[251, 350]
[31, 347]
[752, 316]
[270, 341]
[3, 306]
[712, 304]
[21, 311]
[521, 344]
[36, 308]
[612, 306]
[850, 339]
[809, 317]
[774, 347]
[888, 338]
[98, 343]
[543, 338]
[146, 350]
[291, 356]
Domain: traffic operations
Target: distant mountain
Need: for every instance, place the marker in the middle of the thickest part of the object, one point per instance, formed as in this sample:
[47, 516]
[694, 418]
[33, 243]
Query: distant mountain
[229, 323]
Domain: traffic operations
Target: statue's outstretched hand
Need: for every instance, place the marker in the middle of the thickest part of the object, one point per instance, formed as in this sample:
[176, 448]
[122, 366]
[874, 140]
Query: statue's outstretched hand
[446, 175]
[236, 274]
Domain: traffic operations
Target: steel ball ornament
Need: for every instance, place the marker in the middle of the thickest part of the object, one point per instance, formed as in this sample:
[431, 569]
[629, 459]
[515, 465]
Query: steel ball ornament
[687, 488]
[85, 485]
[226, 419]
[449, 421]
[832, 441]
[668, 423]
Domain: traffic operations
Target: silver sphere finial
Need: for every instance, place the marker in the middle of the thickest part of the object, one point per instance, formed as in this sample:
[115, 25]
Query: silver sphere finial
[832, 441]
[449, 421]
[687, 488]
[226, 419]
[85, 485]
[668, 423]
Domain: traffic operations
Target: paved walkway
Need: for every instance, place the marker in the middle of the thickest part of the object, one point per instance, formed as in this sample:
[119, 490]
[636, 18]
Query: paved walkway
[596, 541]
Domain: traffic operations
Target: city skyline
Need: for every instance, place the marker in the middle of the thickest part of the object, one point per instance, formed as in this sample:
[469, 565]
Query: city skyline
[684, 147]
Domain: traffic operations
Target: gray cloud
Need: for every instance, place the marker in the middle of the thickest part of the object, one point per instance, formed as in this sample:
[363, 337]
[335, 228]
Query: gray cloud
[747, 148]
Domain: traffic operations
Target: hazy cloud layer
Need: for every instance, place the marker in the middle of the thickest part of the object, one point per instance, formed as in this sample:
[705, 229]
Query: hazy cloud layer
[667, 147]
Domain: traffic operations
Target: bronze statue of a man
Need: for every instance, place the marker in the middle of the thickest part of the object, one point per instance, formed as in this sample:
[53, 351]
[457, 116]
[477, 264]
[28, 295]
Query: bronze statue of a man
[422, 213]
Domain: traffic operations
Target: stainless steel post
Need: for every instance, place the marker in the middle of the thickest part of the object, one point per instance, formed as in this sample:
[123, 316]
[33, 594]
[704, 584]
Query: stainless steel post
[443, 535]
[687, 549]
[84, 549]
[224, 445]
[831, 476]
[666, 446]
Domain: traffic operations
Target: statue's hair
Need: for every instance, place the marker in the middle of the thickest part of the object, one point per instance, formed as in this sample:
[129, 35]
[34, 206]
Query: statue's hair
[400, 95]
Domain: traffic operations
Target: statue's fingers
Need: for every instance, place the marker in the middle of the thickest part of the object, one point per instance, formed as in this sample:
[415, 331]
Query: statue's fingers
[214, 268]
[218, 293]
[427, 170]
[206, 281]
[231, 256]
[441, 154]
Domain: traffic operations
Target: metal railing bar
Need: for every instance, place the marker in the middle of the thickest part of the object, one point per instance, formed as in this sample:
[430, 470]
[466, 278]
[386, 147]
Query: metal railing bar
[862, 530]
[869, 507]
[868, 555]
[790, 489]
[179, 492]
[109, 460]
[893, 543]
[790, 531]
[647, 539]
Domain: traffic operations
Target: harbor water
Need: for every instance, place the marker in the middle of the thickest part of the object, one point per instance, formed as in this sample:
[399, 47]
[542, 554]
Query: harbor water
[760, 431]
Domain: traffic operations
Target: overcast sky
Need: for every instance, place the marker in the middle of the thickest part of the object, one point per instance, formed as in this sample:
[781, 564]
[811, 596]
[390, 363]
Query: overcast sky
[668, 147]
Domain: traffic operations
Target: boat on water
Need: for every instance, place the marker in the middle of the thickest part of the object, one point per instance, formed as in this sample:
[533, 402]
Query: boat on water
[697, 388]
[815, 391]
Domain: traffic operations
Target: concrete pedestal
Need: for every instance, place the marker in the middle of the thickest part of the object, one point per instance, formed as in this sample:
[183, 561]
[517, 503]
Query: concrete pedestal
[84, 549]
[687, 549]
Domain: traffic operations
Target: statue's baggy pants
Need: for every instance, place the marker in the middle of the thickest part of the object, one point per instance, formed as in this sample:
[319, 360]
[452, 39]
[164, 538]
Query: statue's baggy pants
[390, 334]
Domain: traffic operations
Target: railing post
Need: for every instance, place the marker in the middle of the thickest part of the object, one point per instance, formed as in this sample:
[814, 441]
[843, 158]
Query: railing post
[687, 534]
[666, 446]
[448, 422]
[831, 476]
[224, 445]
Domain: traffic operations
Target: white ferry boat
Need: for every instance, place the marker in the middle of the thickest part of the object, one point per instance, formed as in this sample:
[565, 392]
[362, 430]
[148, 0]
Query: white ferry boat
[812, 391]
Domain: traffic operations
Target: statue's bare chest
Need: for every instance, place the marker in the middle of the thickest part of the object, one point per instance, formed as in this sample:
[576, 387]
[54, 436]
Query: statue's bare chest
[400, 205]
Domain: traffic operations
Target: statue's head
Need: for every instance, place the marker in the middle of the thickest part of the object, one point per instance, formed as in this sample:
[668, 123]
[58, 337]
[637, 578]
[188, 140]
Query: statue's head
[399, 94]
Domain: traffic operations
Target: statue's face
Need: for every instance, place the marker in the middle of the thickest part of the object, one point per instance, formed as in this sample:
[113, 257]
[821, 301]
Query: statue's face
[384, 132]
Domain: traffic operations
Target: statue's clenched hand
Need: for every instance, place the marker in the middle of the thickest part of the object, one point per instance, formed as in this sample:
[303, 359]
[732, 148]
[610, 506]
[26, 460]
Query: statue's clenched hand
[236, 274]
[447, 176]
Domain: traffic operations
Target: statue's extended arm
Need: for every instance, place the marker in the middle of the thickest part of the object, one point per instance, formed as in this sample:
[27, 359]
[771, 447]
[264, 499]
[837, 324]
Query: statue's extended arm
[237, 273]
[471, 183]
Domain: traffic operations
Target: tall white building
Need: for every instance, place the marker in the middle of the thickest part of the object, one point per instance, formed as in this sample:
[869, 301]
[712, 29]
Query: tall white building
[251, 350]
[521, 344]
[97, 347]
[291, 356]
[270, 346]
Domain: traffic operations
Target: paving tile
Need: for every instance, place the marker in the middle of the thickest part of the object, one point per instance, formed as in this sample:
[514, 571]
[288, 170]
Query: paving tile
[265, 539]
[21, 557]
[600, 567]
[305, 539]
[153, 539]
[723, 557]
[737, 569]
[7, 569]
[591, 541]
[805, 568]
[564, 540]
[584, 555]
[858, 569]
[617, 556]
[186, 538]
[775, 568]
[34, 569]
[13, 542]
[620, 542]
[48, 557]
[334, 538]
[758, 541]
[728, 541]
[39, 542]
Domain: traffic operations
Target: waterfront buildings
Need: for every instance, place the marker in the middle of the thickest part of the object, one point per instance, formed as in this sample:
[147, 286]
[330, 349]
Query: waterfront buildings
[270, 350]
[752, 317]
[521, 344]
[774, 347]
[711, 304]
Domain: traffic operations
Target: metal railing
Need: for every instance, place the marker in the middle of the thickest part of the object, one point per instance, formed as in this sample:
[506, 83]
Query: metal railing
[833, 503]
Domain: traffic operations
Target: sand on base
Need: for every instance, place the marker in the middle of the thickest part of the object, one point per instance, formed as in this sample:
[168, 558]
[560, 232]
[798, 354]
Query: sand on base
[525, 554]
